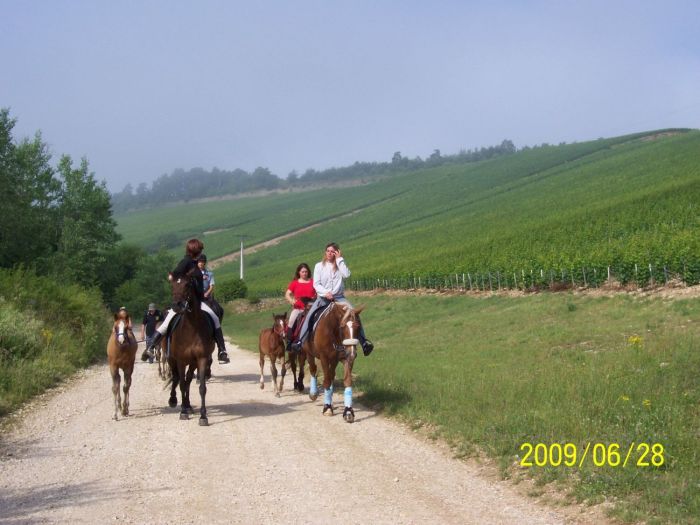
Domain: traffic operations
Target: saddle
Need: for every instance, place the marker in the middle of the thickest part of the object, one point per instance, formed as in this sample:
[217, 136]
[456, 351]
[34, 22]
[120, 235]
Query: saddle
[176, 321]
[313, 322]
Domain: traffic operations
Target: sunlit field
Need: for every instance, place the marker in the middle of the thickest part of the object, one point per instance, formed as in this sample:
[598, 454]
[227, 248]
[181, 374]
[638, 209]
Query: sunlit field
[488, 374]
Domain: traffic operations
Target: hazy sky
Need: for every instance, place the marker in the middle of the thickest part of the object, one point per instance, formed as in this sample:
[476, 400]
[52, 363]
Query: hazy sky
[143, 87]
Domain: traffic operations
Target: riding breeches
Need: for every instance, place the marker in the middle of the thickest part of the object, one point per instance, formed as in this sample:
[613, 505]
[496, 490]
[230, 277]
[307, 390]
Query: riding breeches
[163, 328]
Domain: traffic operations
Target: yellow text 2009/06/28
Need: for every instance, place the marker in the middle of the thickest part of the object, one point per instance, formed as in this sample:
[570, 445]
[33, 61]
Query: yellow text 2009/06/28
[641, 455]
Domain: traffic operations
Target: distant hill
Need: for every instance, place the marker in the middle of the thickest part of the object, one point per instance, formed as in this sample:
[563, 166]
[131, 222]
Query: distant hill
[548, 211]
[197, 183]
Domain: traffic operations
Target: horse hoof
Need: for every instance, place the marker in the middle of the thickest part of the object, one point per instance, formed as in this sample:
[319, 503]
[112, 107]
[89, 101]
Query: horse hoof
[115, 417]
[184, 416]
[262, 386]
[313, 397]
[277, 394]
[349, 415]
[203, 422]
[172, 402]
[327, 410]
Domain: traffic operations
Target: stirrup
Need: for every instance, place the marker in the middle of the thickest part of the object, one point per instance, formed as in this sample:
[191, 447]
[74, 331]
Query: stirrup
[223, 357]
[296, 346]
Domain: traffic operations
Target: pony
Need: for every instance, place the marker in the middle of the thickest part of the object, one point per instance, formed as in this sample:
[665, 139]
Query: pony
[121, 354]
[333, 341]
[191, 345]
[272, 344]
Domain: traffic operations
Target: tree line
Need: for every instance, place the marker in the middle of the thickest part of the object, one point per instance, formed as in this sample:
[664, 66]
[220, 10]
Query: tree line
[197, 183]
[57, 222]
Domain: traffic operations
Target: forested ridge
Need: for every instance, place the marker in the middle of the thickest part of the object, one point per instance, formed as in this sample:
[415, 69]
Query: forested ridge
[196, 183]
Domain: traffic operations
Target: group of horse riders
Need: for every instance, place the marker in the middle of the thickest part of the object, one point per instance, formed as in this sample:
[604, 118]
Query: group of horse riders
[325, 287]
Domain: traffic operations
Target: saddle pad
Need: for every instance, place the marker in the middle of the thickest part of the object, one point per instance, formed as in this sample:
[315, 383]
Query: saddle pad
[176, 321]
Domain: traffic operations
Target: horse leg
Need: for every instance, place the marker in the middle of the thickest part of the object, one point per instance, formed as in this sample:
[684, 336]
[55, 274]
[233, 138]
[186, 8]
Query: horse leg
[283, 372]
[203, 421]
[116, 379]
[328, 374]
[262, 373]
[188, 383]
[348, 412]
[127, 386]
[175, 379]
[313, 382]
[183, 391]
[301, 359]
[273, 371]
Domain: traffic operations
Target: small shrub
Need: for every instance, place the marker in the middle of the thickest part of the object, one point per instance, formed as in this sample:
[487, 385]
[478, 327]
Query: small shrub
[231, 289]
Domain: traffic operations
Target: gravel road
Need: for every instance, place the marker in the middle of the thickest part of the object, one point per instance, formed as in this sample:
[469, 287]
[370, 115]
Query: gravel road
[261, 460]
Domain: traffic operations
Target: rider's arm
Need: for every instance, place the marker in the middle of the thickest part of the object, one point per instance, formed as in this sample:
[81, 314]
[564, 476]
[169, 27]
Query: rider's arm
[289, 296]
[342, 267]
[319, 286]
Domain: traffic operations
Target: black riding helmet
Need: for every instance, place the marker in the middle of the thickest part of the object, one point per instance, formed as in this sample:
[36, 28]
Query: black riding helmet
[202, 258]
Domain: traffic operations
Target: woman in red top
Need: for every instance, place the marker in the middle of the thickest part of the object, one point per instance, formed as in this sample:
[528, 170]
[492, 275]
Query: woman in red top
[302, 287]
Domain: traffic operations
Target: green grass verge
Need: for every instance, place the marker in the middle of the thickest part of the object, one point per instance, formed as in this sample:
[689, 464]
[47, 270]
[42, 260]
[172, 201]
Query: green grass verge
[492, 373]
[48, 330]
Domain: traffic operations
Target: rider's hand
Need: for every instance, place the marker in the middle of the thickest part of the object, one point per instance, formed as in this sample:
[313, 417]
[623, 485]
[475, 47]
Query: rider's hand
[329, 296]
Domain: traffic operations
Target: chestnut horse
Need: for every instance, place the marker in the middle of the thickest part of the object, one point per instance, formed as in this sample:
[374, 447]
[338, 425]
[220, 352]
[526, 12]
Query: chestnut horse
[121, 353]
[271, 344]
[191, 345]
[333, 341]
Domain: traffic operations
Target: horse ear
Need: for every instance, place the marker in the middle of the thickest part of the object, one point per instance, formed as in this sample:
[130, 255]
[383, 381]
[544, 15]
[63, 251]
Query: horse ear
[116, 316]
[285, 316]
[359, 309]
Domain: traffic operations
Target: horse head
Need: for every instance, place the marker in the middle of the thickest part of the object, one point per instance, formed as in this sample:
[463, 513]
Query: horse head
[183, 290]
[350, 327]
[279, 324]
[122, 321]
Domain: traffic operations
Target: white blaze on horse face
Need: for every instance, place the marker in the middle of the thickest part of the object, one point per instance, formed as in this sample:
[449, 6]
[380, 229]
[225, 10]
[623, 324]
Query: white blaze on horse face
[120, 333]
[350, 341]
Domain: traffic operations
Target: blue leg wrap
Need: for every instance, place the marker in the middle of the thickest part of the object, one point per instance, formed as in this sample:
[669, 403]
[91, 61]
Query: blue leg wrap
[313, 387]
[348, 396]
[328, 396]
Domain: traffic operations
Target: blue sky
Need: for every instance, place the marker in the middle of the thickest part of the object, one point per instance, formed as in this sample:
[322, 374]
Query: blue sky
[142, 88]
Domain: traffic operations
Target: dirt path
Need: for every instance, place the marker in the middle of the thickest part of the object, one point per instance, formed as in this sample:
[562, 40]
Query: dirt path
[261, 460]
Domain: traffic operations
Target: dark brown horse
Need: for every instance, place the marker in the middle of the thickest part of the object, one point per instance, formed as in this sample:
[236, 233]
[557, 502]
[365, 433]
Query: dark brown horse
[121, 353]
[271, 344]
[191, 346]
[334, 340]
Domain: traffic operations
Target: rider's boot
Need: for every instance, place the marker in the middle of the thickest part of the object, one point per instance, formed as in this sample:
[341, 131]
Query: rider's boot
[295, 346]
[149, 352]
[219, 337]
[367, 345]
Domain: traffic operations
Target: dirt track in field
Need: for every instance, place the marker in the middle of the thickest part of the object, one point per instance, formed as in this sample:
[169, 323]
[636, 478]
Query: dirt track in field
[261, 460]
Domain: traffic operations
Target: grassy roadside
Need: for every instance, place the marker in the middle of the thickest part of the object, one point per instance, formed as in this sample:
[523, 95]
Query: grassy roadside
[493, 373]
[48, 330]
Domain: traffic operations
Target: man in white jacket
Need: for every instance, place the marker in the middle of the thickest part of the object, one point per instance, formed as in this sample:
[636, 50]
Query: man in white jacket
[329, 275]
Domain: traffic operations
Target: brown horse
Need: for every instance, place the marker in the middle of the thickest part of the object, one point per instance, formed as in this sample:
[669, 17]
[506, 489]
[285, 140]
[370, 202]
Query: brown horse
[191, 345]
[121, 353]
[271, 344]
[334, 340]
[163, 366]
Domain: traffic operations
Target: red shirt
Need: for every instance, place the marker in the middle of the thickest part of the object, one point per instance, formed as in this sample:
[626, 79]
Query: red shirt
[302, 290]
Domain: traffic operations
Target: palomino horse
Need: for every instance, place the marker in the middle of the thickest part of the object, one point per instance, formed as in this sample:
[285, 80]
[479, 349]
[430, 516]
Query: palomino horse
[334, 340]
[271, 344]
[121, 353]
[191, 346]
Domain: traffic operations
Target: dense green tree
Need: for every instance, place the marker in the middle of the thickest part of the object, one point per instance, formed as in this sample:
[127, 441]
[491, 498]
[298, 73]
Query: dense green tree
[29, 194]
[88, 230]
[149, 285]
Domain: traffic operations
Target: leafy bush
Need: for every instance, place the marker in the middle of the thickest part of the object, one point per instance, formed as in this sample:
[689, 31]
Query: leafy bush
[48, 330]
[231, 289]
